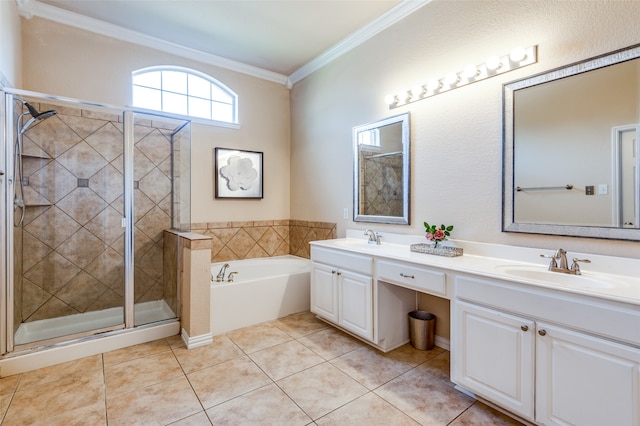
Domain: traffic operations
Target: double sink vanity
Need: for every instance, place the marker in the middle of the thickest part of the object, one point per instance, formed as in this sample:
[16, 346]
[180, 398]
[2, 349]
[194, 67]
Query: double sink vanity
[548, 347]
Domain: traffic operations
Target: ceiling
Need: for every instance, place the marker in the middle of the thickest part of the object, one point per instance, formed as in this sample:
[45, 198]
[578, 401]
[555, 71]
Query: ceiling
[277, 38]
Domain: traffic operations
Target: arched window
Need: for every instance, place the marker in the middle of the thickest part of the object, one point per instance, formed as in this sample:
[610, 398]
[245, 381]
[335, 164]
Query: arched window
[184, 91]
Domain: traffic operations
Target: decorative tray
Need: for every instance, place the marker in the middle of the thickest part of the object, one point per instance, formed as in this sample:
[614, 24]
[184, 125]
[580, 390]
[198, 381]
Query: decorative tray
[438, 251]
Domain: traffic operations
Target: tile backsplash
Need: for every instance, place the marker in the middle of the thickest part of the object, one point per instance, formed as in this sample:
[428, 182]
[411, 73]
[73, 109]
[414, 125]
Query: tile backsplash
[251, 239]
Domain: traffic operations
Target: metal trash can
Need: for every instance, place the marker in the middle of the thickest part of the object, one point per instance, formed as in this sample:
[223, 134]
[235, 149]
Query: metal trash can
[422, 327]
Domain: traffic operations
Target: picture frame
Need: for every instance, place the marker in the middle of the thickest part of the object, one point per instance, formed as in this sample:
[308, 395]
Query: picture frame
[238, 173]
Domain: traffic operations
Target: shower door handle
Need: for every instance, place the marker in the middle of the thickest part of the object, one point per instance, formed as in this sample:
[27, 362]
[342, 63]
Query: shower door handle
[1, 172]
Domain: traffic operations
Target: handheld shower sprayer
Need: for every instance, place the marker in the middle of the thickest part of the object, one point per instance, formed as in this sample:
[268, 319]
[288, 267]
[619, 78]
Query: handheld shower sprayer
[18, 201]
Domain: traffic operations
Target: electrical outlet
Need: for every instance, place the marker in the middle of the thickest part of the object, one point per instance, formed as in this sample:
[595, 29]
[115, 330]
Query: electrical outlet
[603, 189]
[588, 190]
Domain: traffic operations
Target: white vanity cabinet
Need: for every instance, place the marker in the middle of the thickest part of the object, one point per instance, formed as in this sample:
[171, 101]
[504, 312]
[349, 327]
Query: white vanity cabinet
[534, 353]
[342, 290]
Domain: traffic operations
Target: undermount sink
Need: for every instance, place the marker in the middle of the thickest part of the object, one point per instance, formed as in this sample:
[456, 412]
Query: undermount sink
[354, 243]
[540, 273]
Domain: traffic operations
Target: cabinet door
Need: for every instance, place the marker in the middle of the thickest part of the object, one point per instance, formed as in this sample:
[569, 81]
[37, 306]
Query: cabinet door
[585, 380]
[356, 303]
[493, 356]
[324, 292]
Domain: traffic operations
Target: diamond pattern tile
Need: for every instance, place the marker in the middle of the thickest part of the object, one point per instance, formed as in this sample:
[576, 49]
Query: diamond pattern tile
[81, 292]
[52, 227]
[155, 146]
[154, 223]
[82, 205]
[53, 136]
[82, 160]
[155, 185]
[107, 183]
[53, 181]
[52, 272]
[82, 248]
[107, 140]
[108, 268]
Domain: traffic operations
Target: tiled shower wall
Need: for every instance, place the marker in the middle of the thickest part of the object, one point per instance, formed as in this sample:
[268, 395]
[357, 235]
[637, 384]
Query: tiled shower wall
[72, 236]
[246, 240]
[382, 194]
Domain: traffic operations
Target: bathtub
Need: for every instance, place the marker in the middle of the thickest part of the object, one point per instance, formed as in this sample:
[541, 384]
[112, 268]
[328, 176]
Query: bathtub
[263, 289]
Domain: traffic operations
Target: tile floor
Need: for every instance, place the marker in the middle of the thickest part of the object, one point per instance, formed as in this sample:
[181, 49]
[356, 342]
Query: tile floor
[292, 371]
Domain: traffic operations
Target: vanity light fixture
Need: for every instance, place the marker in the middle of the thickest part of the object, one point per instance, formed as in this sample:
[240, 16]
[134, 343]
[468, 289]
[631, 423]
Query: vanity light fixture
[518, 57]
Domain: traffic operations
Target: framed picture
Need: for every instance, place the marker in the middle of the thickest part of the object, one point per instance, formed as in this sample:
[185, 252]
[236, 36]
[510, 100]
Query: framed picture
[238, 174]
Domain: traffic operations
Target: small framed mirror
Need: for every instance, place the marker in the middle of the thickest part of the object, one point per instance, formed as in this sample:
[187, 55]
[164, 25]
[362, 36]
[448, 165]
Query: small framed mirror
[381, 171]
[571, 143]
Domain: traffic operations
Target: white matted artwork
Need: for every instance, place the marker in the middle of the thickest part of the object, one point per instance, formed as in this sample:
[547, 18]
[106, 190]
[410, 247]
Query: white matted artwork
[238, 174]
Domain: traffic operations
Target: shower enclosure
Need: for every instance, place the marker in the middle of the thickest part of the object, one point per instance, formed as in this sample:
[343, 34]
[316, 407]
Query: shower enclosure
[88, 192]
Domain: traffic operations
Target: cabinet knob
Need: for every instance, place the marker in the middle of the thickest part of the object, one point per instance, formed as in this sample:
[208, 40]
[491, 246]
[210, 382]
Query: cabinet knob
[334, 271]
[524, 327]
[339, 273]
[407, 276]
[542, 332]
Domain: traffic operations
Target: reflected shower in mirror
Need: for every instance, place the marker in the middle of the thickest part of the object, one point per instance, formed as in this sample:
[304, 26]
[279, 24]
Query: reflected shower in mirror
[571, 163]
[381, 171]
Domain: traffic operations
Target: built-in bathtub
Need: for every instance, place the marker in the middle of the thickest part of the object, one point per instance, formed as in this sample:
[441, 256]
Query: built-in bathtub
[263, 289]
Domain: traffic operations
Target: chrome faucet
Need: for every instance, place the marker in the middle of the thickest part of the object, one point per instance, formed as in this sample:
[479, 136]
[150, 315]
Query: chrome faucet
[220, 276]
[561, 255]
[374, 237]
[230, 277]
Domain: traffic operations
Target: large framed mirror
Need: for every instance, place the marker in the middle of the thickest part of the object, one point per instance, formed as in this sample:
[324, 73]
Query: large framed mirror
[571, 150]
[381, 171]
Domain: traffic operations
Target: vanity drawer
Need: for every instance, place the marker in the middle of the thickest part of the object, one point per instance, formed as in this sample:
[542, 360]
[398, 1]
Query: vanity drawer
[342, 259]
[414, 277]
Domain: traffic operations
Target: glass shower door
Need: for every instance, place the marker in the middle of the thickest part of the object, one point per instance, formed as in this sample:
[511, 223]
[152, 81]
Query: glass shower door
[69, 274]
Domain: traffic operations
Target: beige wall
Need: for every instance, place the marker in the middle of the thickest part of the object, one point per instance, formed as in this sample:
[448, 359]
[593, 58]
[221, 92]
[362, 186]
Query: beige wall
[65, 61]
[456, 136]
[10, 44]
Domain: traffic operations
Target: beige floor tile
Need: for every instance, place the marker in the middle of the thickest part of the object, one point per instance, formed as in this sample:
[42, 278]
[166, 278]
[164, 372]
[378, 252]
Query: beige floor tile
[427, 400]
[321, 389]
[438, 367]
[265, 406]
[369, 410]
[220, 350]
[225, 381]
[94, 415]
[62, 373]
[175, 341]
[258, 337]
[139, 373]
[9, 384]
[34, 404]
[285, 359]
[134, 352]
[298, 325]
[4, 404]
[480, 414]
[370, 367]
[161, 403]
[330, 343]
[413, 356]
[199, 419]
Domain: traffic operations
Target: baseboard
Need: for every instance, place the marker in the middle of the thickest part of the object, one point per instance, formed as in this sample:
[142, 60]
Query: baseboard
[195, 341]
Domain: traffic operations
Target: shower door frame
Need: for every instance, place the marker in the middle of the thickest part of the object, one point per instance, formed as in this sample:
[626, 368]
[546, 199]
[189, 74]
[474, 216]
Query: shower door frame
[7, 343]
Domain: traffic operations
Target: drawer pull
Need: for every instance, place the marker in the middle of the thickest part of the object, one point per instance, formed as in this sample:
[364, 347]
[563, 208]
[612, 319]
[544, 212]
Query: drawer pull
[407, 276]
[542, 332]
[334, 271]
[524, 328]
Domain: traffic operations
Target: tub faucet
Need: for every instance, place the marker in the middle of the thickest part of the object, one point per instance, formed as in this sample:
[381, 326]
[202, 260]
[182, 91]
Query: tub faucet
[374, 237]
[220, 276]
[230, 277]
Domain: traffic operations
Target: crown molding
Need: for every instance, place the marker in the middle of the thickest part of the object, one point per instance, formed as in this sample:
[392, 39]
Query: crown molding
[400, 11]
[30, 8]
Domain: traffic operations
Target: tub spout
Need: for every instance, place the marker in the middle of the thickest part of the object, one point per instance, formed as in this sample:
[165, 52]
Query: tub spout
[220, 276]
[230, 277]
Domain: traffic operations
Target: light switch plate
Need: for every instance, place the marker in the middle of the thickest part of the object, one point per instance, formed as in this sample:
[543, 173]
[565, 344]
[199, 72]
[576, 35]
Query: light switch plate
[603, 189]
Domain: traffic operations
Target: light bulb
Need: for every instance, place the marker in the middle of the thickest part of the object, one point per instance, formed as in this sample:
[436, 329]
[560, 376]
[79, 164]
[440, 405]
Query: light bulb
[470, 72]
[417, 91]
[433, 85]
[389, 99]
[451, 79]
[518, 54]
[493, 63]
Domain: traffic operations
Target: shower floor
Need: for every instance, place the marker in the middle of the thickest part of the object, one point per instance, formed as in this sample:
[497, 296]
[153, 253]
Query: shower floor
[145, 313]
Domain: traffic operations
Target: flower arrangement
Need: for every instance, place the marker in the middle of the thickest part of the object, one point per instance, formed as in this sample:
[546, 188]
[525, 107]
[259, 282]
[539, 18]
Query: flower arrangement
[437, 233]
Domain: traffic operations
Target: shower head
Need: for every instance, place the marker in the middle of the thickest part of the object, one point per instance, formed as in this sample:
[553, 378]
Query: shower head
[35, 116]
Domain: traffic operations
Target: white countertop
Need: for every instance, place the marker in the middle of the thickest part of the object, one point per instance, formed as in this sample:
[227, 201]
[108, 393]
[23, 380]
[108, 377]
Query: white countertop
[606, 277]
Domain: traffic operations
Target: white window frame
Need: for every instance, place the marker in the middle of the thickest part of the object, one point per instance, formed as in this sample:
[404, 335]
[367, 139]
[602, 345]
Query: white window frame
[187, 71]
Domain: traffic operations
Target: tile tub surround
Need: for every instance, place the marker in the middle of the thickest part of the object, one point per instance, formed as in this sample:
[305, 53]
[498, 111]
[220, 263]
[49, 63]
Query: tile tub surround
[246, 240]
[72, 257]
[292, 371]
